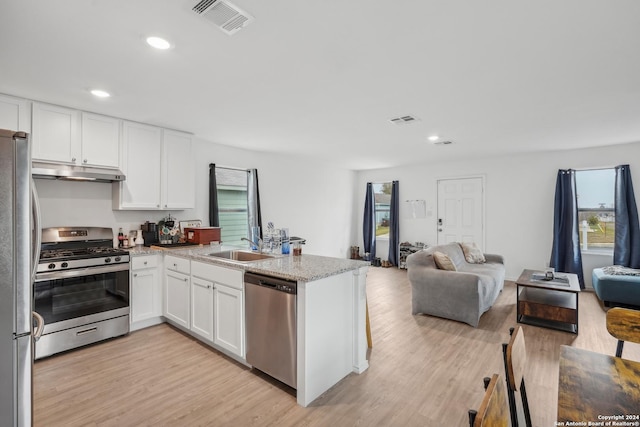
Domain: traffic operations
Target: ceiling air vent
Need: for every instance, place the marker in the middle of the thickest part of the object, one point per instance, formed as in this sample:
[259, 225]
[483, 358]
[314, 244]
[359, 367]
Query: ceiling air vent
[403, 120]
[442, 143]
[228, 17]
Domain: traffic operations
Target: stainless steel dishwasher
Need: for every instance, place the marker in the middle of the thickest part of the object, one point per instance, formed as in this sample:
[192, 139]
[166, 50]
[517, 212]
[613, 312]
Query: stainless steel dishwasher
[270, 307]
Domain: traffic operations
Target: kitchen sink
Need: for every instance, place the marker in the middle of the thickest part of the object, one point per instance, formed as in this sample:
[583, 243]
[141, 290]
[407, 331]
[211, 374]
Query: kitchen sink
[240, 255]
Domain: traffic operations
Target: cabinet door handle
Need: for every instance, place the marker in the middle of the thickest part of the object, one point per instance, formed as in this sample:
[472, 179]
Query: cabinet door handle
[135, 274]
[145, 263]
[186, 280]
[73, 159]
[84, 161]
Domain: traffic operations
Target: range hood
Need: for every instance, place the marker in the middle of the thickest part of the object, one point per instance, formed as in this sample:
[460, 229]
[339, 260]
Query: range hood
[45, 170]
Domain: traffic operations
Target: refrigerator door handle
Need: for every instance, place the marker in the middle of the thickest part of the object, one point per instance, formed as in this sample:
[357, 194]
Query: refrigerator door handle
[37, 227]
[39, 325]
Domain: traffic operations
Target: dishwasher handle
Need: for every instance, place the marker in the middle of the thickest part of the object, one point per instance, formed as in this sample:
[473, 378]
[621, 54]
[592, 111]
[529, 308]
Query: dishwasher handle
[268, 284]
[275, 283]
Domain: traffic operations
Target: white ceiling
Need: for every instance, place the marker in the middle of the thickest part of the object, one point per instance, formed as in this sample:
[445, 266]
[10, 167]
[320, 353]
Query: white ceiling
[322, 79]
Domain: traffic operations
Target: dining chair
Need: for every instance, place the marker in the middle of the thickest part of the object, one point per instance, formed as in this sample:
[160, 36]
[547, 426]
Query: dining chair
[493, 411]
[515, 361]
[623, 324]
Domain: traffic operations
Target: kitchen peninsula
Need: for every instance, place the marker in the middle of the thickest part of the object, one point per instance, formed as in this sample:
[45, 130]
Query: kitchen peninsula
[330, 308]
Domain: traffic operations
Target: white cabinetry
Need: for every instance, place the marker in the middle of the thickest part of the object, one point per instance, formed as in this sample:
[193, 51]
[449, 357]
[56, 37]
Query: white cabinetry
[141, 153]
[63, 135]
[159, 168]
[178, 175]
[202, 307]
[228, 304]
[228, 320]
[14, 114]
[177, 299]
[56, 134]
[146, 291]
[100, 140]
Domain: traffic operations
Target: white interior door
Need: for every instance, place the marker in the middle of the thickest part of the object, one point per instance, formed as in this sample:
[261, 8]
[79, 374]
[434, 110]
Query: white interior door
[461, 211]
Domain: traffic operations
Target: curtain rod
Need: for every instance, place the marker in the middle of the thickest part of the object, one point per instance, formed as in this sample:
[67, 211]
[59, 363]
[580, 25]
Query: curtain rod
[229, 168]
[596, 169]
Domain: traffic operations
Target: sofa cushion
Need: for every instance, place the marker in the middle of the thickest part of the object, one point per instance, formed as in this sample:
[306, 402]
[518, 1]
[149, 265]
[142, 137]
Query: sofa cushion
[472, 254]
[443, 262]
[453, 251]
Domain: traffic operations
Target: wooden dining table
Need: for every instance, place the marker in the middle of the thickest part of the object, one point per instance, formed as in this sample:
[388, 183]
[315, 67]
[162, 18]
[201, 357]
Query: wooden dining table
[597, 388]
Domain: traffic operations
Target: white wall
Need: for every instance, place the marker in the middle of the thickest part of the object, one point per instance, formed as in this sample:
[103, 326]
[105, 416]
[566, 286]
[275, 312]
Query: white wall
[519, 199]
[313, 200]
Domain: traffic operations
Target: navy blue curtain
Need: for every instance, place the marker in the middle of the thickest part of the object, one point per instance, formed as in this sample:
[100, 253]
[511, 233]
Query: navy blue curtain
[394, 225]
[369, 222]
[214, 214]
[626, 250]
[565, 253]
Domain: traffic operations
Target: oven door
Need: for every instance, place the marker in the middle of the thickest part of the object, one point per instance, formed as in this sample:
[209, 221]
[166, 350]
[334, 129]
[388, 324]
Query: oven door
[83, 293]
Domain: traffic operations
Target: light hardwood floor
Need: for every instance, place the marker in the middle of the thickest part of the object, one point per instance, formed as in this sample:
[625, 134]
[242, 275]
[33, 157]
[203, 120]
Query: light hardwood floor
[424, 371]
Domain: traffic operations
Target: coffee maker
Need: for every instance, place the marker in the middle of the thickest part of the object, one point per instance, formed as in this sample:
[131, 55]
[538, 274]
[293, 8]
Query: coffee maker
[149, 233]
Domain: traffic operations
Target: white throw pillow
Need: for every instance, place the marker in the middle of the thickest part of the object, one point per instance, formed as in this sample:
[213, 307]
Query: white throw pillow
[472, 254]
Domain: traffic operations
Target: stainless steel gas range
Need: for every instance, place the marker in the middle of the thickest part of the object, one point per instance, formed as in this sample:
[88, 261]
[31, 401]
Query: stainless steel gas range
[81, 288]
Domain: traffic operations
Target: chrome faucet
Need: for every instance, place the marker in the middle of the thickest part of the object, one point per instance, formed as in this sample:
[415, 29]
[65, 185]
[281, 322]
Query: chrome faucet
[251, 243]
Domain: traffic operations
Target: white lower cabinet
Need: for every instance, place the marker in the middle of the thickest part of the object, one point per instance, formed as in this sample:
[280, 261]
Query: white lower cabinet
[177, 297]
[228, 313]
[146, 292]
[202, 307]
[206, 300]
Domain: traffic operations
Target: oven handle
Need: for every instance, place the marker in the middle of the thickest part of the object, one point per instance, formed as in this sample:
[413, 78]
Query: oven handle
[79, 272]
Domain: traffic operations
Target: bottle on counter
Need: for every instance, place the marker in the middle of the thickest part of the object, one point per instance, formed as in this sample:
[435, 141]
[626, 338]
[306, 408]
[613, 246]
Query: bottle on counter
[284, 233]
[120, 238]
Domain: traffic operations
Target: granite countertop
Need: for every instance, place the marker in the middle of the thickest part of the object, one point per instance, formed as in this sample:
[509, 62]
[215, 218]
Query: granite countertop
[306, 268]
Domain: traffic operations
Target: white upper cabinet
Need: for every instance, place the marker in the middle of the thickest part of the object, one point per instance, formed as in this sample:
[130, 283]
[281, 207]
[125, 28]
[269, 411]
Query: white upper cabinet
[179, 172]
[141, 156]
[158, 165]
[14, 114]
[63, 135]
[56, 134]
[100, 140]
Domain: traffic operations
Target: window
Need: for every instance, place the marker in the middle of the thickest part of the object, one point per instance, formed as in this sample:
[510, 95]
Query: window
[596, 212]
[232, 205]
[382, 194]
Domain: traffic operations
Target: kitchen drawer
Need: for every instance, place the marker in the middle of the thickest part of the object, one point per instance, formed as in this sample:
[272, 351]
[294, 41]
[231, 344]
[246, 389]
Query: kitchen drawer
[217, 274]
[181, 265]
[145, 261]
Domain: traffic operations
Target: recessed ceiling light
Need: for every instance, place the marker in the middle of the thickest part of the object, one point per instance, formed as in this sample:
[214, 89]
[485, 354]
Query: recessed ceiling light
[158, 43]
[100, 93]
[434, 138]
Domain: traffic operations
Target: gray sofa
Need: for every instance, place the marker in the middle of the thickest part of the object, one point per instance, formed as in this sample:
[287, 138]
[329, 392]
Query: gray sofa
[461, 295]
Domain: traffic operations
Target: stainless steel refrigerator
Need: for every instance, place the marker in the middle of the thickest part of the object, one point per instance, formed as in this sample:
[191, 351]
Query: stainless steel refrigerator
[19, 252]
